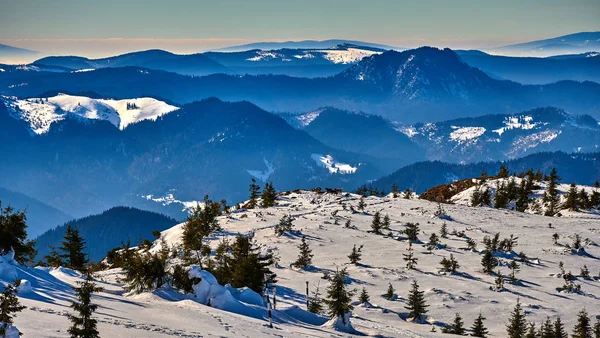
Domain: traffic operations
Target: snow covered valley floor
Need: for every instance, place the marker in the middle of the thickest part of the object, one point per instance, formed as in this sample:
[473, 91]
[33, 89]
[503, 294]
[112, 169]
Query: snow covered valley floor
[469, 291]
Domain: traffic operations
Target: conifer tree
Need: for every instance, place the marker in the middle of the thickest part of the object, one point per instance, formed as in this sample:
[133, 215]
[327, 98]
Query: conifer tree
[434, 240]
[572, 199]
[385, 224]
[412, 231]
[364, 296]
[395, 190]
[416, 303]
[444, 230]
[499, 281]
[285, 225]
[583, 328]
[551, 194]
[355, 255]
[531, 331]
[457, 326]
[547, 330]
[315, 303]
[84, 326]
[376, 224]
[390, 293]
[489, 262]
[597, 329]
[250, 267]
[201, 222]
[269, 195]
[9, 306]
[361, 204]
[503, 173]
[409, 258]
[254, 191]
[73, 247]
[559, 329]
[339, 298]
[478, 329]
[13, 235]
[305, 256]
[408, 193]
[54, 259]
[514, 267]
[517, 326]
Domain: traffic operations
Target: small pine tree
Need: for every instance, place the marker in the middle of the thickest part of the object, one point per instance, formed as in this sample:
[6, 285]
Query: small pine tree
[9, 306]
[73, 247]
[559, 329]
[315, 303]
[478, 329]
[84, 326]
[531, 331]
[514, 267]
[390, 293]
[571, 203]
[412, 231]
[583, 328]
[355, 255]
[285, 225]
[376, 224]
[54, 259]
[269, 195]
[339, 298]
[547, 330]
[348, 224]
[395, 190]
[434, 240]
[489, 262]
[457, 326]
[499, 281]
[305, 256]
[364, 296]
[444, 230]
[409, 257]
[13, 235]
[597, 329]
[551, 194]
[254, 191]
[585, 272]
[503, 173]
[385, 224]
[555, 238]
[517, 326]
[361, 204]
[416, 303]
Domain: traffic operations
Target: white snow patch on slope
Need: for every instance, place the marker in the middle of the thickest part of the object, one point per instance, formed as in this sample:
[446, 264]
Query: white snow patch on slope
[169, 198]
[40, 113]
[351, 55]
[516, 122]
[306, 119]
[466, 133]
[332, 165]
[263, 175]
[264, 56]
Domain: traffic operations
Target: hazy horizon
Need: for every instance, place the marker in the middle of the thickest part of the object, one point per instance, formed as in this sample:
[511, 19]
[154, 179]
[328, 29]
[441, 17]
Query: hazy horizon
[86, 29]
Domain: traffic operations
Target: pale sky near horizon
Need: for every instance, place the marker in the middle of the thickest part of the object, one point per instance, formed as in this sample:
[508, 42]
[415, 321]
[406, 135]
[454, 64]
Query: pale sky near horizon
[100, 28]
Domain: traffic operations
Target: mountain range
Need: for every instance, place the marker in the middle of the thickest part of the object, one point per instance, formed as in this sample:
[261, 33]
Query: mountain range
[435, 83]
[567, 44]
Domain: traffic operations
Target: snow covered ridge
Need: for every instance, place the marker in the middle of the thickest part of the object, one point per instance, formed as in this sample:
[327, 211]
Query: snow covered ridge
[169, 199]
[321, 217]
[343, 54]
[334, 167]
[40, 113]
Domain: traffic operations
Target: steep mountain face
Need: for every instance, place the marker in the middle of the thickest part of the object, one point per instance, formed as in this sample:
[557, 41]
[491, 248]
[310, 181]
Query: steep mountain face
[107, 230]
[192, 64]
[566, 44]
[579, 168]
[84, 166]
[40, 216]
[360, 133]
[499, 137]
[536, 70]
[424, 84]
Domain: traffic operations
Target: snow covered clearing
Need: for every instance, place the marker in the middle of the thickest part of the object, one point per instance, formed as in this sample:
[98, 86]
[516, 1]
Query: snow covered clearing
[469, 291]
[40, 113]
[332, 165]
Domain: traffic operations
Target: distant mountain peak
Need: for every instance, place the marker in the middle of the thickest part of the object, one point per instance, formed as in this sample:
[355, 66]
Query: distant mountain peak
[422, 73]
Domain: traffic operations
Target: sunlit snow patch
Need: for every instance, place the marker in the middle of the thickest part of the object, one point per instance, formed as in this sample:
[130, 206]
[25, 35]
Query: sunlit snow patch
[263, 175]
[334, 167]
[168, 199]
[466, 133]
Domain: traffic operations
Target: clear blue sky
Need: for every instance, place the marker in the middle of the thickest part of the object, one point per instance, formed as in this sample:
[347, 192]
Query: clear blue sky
[199, 24]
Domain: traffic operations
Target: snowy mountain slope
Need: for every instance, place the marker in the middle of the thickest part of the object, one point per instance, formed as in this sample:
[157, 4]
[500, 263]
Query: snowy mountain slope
[536, 205]
[498, 137]
[468, 291]
[567, 44]
[40, 113]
